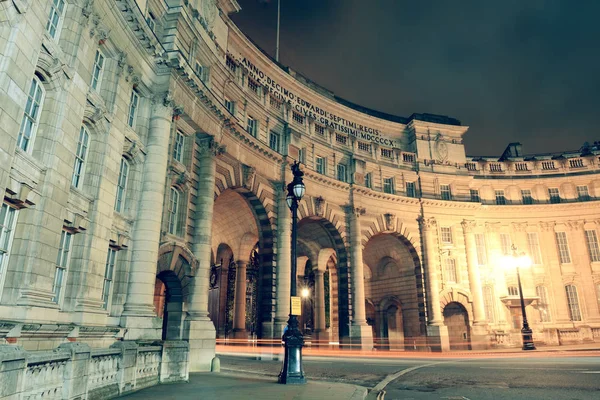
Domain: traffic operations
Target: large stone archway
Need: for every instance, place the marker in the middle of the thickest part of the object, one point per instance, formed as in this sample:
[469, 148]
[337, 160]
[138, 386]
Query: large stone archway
[240, 220]
[393, 271]
[321, 242]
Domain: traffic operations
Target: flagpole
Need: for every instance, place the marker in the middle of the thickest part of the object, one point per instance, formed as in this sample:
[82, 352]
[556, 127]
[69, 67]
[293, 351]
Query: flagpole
[277, 40]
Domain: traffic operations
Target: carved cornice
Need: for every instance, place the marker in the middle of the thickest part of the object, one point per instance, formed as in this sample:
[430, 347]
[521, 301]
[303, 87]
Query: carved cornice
[575, 225]
[491, 227]
[547, 226]
[519, 226]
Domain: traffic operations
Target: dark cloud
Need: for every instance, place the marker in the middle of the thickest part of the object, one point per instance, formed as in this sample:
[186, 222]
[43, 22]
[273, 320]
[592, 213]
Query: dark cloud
[515, 70]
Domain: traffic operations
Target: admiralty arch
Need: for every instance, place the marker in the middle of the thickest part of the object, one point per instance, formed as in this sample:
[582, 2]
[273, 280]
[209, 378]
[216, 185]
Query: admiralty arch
[145, 149]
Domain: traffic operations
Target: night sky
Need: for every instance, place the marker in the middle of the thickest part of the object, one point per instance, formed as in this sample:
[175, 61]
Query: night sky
[512, 70]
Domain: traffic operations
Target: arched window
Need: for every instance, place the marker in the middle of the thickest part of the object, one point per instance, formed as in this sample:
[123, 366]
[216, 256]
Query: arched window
[573, 303]
[122, 186]
[173, 208]
[31, 116]
[488, 303]
[80, 157]
[513, 291]
[543, 305]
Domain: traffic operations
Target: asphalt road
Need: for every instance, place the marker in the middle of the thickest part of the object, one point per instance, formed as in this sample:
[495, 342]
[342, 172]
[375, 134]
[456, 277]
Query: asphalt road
[545, 378]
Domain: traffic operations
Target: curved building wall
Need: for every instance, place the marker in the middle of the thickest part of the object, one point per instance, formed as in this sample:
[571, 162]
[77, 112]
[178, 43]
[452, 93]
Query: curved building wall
[148, 186]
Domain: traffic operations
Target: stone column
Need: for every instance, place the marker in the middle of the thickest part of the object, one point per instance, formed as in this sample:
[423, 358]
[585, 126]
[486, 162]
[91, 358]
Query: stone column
[579, 251]
[139, 311]
[199, 329]
[320, 325]
[239, 305]
[284, 259]
[360, 332]
[479, 337]
[556, 293]
[437, 332]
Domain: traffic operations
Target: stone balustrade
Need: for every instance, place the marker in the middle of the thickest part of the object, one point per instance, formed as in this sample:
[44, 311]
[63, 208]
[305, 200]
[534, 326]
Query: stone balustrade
[75, 371]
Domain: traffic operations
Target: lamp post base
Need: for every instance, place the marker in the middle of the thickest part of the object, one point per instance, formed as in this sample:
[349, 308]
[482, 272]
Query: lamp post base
[292, 371]
[527, 335]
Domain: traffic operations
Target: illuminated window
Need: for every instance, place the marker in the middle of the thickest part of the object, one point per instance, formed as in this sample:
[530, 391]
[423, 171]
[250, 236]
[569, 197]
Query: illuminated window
[592, 244]
[446, 234]
[481, 249]
[563, 247]
[534, 248]
[573, 303]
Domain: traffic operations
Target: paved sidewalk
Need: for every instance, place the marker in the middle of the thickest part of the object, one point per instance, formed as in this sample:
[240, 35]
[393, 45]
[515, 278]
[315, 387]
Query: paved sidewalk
[221, 386]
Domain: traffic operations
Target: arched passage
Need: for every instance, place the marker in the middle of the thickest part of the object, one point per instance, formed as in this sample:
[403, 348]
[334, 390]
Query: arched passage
[321, 242]
[456, 319]
[393, 271]
[240, 221]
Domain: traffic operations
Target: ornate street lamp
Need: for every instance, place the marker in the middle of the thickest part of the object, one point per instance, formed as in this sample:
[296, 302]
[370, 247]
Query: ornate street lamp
[292, 371]
[518, 261]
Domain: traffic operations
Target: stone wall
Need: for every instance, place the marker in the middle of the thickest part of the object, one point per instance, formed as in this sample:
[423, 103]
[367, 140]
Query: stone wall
[76, 371]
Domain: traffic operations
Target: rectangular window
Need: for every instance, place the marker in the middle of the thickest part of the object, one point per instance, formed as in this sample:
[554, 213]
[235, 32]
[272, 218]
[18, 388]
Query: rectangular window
[450, 270]
[109, 269]
[231, 64]
[274, 141]
[97, 70]
[387, 153]
[481, 249]
[321, 165]
[369, 180]
[563, 247]
[408, 157]
[505, 244]
[533, 244]
[178, 146]
[446, 234]
[253, 86]
[122, 186]
[298, 118]
[230, 106]
[500, 199]
[252, 126]
[388, 185]
[573, 302]
[301, 155]
[173, 208]
[8, 220]
[548, 165]
[592, 244]
[80, 157]
[410, 189]
[275, 103]
[475, 196]
[150, 21]
[202, 72]
[31, 116]
[362, 146]
[495, 167]
[320, 129]
[554, 195]
[133, 106]
[576, 163]
[341, 173]
[526, 195]
[57, 10]
[543, 305]
[62, 263]
[445, 192]
[582, 193]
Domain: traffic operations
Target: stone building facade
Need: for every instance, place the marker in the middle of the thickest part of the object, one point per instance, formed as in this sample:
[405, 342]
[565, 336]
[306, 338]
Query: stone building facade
[145, 148]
